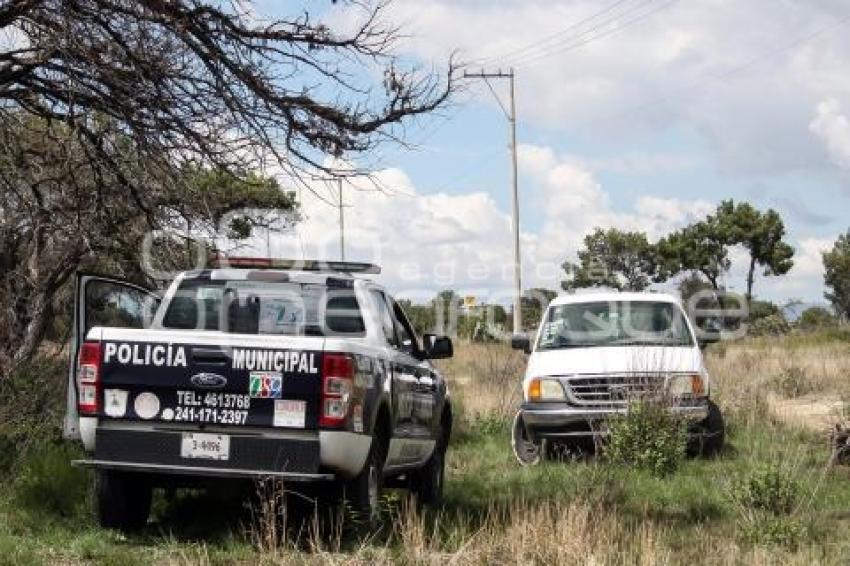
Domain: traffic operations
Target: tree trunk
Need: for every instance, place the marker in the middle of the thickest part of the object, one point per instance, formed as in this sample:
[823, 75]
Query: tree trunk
[750, 278]
[711, 279]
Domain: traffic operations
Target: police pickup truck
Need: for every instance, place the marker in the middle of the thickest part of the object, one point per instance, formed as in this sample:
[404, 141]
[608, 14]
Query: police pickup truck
[302, 371]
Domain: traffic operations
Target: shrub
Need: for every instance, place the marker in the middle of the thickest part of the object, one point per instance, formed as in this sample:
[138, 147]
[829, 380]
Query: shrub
[32, 402]
[768, 499]
[771, 325]
[792, 381]
[649, 436]
[778, 531]
[763, 309]
[770, 488]
[816, 318]
[46, 484]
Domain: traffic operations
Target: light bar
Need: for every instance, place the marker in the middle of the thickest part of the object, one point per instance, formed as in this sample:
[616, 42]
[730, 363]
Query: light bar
[219, 262]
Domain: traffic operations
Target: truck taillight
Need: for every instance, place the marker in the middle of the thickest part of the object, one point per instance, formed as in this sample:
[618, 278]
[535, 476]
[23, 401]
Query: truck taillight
[88, 378]
[337, 386]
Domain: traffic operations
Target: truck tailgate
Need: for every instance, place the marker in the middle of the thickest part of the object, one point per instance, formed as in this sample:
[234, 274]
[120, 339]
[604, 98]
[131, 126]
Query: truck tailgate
[210, 378]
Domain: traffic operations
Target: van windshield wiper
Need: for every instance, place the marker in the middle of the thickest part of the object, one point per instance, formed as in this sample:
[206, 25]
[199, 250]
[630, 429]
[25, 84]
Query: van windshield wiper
[568, 346]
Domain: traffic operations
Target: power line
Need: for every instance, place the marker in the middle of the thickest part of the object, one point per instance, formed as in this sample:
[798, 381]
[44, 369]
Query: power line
[584, 39]
[586, 32]
[520, 51]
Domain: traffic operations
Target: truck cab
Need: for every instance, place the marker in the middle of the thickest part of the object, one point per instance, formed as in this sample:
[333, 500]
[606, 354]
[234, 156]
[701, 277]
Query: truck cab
[302, 371]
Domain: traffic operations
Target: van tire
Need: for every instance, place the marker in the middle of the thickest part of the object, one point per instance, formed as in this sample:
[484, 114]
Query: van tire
[526, 451]
[711, 433]
[122, 500]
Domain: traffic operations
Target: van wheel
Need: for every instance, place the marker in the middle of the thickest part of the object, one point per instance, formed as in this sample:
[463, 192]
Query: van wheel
[711, 433]
[122, 500]
[363, 492]
[527, 453]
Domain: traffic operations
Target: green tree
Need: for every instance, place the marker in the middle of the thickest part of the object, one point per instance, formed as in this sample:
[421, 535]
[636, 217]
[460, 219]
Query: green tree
[701, 248]
[625, 261]
[692, 284]
[836, 263]
[109, 109]
[62, 212]
[761, 234]
[534, 303]
[446, 307]
[420, 316]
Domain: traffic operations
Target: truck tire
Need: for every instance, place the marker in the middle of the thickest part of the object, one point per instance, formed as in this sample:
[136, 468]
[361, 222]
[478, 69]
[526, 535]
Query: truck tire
[363, 492]
[427, 482]
[711, 433]
[122, 500]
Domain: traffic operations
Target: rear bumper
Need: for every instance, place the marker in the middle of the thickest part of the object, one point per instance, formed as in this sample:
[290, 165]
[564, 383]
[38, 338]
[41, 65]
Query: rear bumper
[300, 456]
[553, 420]
[170, 469]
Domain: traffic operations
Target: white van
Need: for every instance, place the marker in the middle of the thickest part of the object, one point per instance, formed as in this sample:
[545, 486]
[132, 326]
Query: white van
[596, 353]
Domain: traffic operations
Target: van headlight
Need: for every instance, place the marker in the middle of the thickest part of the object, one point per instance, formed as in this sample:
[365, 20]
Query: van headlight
[691, 385]
[542, 389]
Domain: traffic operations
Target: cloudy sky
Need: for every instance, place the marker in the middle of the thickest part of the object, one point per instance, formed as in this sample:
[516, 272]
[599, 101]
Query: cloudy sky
[639, 114]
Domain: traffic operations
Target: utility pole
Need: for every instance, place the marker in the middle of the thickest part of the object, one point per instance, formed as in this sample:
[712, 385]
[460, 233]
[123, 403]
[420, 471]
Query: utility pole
[510, 113]
[341, 223]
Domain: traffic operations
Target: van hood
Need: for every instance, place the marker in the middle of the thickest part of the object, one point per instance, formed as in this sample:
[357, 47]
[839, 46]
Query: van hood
[614, 360]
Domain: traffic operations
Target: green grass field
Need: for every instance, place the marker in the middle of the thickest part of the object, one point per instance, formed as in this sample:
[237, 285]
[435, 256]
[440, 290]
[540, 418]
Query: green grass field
[768, 498]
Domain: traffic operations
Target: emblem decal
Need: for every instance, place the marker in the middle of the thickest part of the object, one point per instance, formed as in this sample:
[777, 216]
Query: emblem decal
[265, 385]
[208, 380]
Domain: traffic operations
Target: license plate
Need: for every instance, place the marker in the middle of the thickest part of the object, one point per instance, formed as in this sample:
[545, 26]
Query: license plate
[205, 446]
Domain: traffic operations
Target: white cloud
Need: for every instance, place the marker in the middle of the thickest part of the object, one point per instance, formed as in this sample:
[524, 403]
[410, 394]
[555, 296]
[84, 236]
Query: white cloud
[573, 203]
[805, 280]
[430, 241]
[746, 83]
[427, 242]
[833, 128]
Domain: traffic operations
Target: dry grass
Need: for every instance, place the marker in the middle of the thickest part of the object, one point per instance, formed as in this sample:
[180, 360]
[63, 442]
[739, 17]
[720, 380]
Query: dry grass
[578, 513]
[757, 377]
[486, 379]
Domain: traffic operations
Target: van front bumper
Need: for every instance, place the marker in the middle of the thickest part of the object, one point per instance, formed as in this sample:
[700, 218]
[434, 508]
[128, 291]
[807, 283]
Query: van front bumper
[563, 420]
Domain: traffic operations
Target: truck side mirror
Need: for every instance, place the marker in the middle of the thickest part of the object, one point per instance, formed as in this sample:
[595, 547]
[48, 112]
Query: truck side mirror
[521, 342]
[437, 347]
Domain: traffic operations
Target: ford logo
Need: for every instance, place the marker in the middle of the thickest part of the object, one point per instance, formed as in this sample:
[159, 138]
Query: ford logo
[208, 380]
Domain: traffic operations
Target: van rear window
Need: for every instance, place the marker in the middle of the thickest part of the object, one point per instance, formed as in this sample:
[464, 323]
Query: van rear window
[261, 307]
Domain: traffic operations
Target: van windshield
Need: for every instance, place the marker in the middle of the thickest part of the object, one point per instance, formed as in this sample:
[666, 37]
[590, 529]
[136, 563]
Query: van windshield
[614, 323]
[262, 307]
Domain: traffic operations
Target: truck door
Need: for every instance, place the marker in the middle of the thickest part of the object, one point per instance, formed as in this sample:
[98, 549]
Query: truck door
[403, 380]
[425, 391]
[102, 301]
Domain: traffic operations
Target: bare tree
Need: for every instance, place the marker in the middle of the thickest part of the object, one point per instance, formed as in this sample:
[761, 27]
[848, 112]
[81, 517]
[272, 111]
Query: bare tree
[109, 110]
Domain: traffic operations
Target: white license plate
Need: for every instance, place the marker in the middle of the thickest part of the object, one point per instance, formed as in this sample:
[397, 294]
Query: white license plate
[205, 446]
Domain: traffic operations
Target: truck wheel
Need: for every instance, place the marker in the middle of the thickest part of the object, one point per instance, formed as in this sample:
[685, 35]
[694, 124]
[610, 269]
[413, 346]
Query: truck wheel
[363, 492]
[711, 433]
[123, 501]
[427, 482]
[526, 452]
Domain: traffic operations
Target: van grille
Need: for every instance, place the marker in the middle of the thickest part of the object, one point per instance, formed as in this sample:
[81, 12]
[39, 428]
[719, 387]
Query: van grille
[614, 389]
